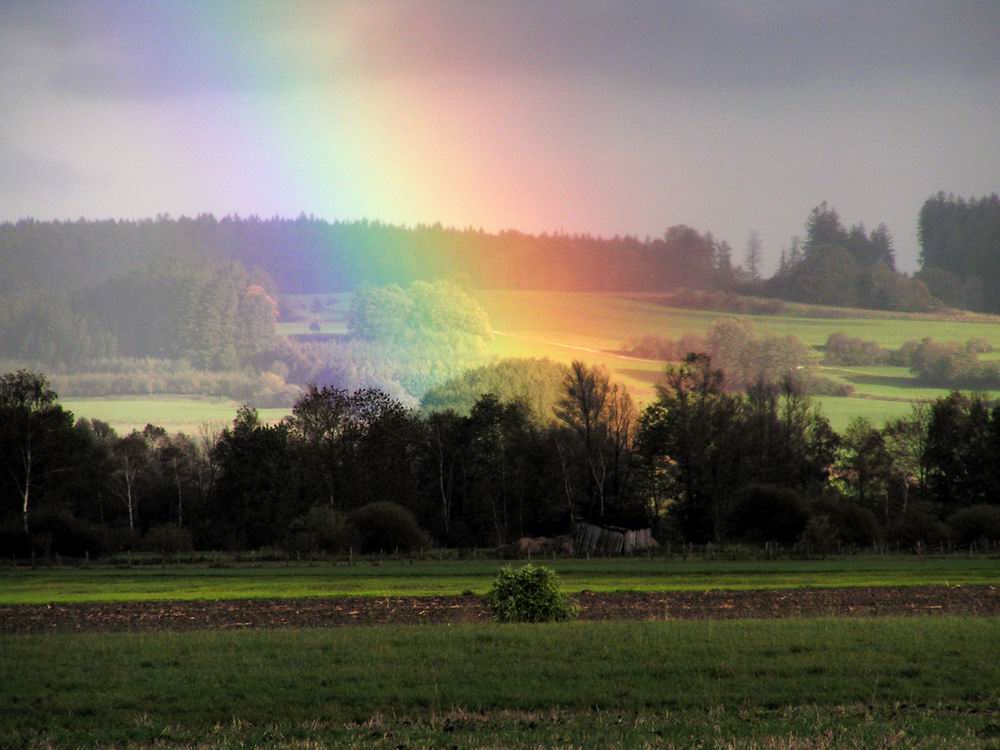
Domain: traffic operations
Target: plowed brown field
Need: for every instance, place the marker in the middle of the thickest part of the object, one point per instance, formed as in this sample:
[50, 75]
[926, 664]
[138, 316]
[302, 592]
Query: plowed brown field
[334, 612]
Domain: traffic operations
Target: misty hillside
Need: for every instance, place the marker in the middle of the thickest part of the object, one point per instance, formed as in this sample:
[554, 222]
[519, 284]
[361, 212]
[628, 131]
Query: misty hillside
[833, 264]
[308, 255]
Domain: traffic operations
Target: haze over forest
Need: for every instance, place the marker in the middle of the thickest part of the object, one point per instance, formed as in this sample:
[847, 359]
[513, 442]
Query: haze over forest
[572, 116]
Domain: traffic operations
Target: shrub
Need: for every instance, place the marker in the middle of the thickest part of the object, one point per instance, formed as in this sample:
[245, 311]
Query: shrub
[979, 345]
[976, 522]
[767, 513]
[387, 526]
[321, 529]
[58, 530]
[853, 524]
[819, 385]
[13, 540]
[820, 535]
[167, 538]
[841, 349]
[529, 593]
[919, 525]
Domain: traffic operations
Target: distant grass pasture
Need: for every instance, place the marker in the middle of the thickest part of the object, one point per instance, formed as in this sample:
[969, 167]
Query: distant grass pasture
[820, 683]
[278, 581]
[564, 326]
[174, 413]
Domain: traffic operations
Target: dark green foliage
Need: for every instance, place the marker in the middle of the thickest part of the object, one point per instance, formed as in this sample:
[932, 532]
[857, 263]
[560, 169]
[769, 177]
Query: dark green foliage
[167, 538]
[828, 275]
[975, 523]
[353, 448]
[159, 328]
[322, 530]
[251, 502]
[387, 527]
[863, 464]
[536, 382]
[919, 525]
[849, 523]
[848, 268]
[45, 327]
[56, 529]
[841, 349]
[38, 446]
[963, 442]
[700, 464]
[959, 249]
[307, 255]
[820, 536]
[700, 445]
[595, 443]
[529, 593]
[767, 513]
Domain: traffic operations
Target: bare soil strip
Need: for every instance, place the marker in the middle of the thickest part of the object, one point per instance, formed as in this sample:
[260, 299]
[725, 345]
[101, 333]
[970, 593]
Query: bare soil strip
[318, 612]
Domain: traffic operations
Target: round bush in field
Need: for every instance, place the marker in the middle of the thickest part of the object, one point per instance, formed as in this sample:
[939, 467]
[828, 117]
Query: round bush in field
[387, 527]
[528, 594]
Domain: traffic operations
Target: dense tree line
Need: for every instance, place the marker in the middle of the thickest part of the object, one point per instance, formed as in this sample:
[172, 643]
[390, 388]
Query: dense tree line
[307, 255]
[845, 267]
[834, 264]
[215, 317]
[359, 470]
[960, 250]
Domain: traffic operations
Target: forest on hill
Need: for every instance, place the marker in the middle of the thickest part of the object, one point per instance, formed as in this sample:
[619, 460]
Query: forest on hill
[831, 264]
[190, 306]
[960, 250]
[310, 255]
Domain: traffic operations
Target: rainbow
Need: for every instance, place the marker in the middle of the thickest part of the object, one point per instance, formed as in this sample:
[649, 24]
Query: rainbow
[315, 130]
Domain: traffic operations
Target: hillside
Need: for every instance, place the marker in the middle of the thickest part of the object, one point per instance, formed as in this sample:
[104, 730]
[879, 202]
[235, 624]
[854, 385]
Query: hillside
[564, 326]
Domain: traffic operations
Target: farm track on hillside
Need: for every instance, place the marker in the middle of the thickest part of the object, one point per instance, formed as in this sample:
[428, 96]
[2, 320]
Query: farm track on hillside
[337, 612]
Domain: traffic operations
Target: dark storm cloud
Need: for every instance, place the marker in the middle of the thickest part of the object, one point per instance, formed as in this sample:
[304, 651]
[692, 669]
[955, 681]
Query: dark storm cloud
[151, 50]
[698, 44]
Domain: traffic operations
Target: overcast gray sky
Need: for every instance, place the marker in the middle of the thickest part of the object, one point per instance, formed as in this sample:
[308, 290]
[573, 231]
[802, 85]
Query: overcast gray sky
[607, 117]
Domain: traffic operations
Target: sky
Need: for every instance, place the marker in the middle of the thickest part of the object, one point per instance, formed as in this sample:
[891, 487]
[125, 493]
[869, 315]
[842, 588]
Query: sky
[607, 117]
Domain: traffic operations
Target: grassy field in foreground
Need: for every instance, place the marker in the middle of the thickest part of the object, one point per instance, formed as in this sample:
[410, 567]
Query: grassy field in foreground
[187, 582]
[174, 413]
[914, 682]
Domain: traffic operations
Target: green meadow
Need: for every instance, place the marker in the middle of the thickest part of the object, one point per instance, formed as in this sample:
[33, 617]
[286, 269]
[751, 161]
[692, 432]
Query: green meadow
[279, 581]
[564, 326]
[819, 683]
[173, 413]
